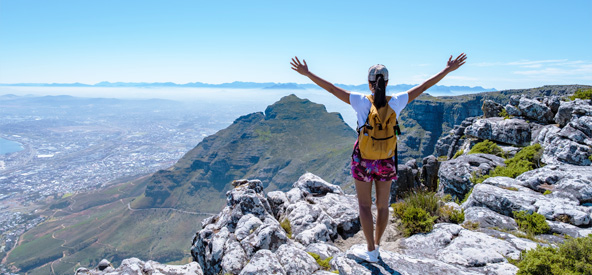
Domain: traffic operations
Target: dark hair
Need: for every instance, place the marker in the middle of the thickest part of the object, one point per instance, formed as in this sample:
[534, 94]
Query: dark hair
[379, 91]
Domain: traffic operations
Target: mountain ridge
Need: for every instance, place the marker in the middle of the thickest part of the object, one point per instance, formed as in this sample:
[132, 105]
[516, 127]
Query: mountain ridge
[249, 85]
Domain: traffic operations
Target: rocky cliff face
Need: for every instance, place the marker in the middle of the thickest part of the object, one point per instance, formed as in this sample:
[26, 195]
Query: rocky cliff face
[427, 119]
[293, 136]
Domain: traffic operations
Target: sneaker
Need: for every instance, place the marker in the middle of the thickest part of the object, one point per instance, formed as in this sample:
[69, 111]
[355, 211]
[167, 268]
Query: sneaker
[363, 254]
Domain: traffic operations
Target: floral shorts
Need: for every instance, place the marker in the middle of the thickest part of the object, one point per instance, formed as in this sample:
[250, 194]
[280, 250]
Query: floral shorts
[369, 170]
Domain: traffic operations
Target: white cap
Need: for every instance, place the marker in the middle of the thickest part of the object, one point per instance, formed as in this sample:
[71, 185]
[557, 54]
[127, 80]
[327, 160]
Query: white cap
[376, 70]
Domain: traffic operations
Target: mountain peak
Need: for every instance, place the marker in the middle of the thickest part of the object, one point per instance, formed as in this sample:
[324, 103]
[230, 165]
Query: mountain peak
[293, 107]
[294, 136]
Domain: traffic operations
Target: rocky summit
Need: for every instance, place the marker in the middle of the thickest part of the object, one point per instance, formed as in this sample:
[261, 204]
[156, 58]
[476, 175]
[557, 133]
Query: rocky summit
[313, 227]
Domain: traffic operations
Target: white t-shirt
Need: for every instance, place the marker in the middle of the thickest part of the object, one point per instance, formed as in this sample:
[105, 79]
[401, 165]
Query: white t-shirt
[362, 105]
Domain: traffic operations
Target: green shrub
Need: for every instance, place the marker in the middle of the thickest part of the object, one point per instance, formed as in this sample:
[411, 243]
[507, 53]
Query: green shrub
[427, 201]
[399, 209]
[458, 153]
[527, 159]
[547, 192]
[470, 225]
[285, 224]
[532, 224]
[582, 94]
[447, 198]
[572, 257]
[504, 114]
[324, 264]
[442, 158]
[487, 147]
[416, 220]
[449, 214]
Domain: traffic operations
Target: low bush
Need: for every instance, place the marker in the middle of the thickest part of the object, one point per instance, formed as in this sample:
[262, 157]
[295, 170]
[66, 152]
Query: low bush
[572, 257]
[427, 201]
[399, 209]
[504, 114]
[416, 220]
[532, 224]
[449, 214]
[285, 224]
[324, 264]
[547, 192]
[487, 147]
[581, 94]
[527, 159]
[458, 153]
[470, 225]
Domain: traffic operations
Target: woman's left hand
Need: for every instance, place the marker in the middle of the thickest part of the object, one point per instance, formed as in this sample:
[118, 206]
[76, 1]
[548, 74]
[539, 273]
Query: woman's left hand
[456, 63]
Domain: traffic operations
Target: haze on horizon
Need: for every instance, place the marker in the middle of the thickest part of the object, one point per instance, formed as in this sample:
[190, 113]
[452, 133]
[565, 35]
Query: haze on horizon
[510, 44]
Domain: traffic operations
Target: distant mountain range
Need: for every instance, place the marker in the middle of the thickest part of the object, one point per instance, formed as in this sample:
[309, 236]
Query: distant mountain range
[254, 85]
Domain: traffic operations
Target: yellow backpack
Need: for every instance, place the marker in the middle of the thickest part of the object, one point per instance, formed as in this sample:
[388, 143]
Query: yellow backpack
[377, 138]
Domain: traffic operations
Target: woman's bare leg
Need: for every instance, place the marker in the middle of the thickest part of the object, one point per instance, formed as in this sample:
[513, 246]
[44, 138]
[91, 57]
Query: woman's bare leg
[383, 191]
[364, 191]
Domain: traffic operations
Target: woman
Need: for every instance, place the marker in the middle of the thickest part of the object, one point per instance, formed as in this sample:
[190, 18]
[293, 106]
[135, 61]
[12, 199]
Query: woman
[383, 171]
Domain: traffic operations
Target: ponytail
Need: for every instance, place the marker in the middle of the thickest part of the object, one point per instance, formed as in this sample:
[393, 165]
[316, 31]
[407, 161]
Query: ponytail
[379, 91]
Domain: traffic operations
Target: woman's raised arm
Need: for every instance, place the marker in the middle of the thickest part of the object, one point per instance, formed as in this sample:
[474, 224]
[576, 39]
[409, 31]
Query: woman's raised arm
[302, 69]
[450, 66]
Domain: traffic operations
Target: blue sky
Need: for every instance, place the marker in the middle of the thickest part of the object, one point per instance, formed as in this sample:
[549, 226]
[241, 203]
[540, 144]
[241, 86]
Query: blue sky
[510, 44]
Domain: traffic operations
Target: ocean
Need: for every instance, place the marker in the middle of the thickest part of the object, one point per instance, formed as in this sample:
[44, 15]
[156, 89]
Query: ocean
[9, 146]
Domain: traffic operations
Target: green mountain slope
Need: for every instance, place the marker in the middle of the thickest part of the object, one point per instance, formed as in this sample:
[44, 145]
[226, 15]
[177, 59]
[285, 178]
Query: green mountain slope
[292, 137]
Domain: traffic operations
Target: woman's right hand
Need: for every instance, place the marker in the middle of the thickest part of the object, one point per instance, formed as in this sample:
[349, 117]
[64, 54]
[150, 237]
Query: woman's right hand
[299, 67]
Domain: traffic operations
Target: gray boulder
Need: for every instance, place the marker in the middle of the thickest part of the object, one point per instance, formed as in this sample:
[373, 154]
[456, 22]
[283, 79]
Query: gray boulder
[579, 130]
[562, 150]
[568, 229]
[449, 144]
[505, 199]
[566, 181]
[535, 110]
[316, 186]
[407, 181]
[488, 218]
[310, 223]
[135, 266]
[491, 108]
[393, 263]
[466, 250]
[235, 257]
[569, 109]
[509, 131]
[501, 200]
[553, 102]
[324, 250]
[515, 100]
[343, 210]
[296, 261]
[512, 110]
[278, 202]
[263, 262]
[429, 173]
[455, 175]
